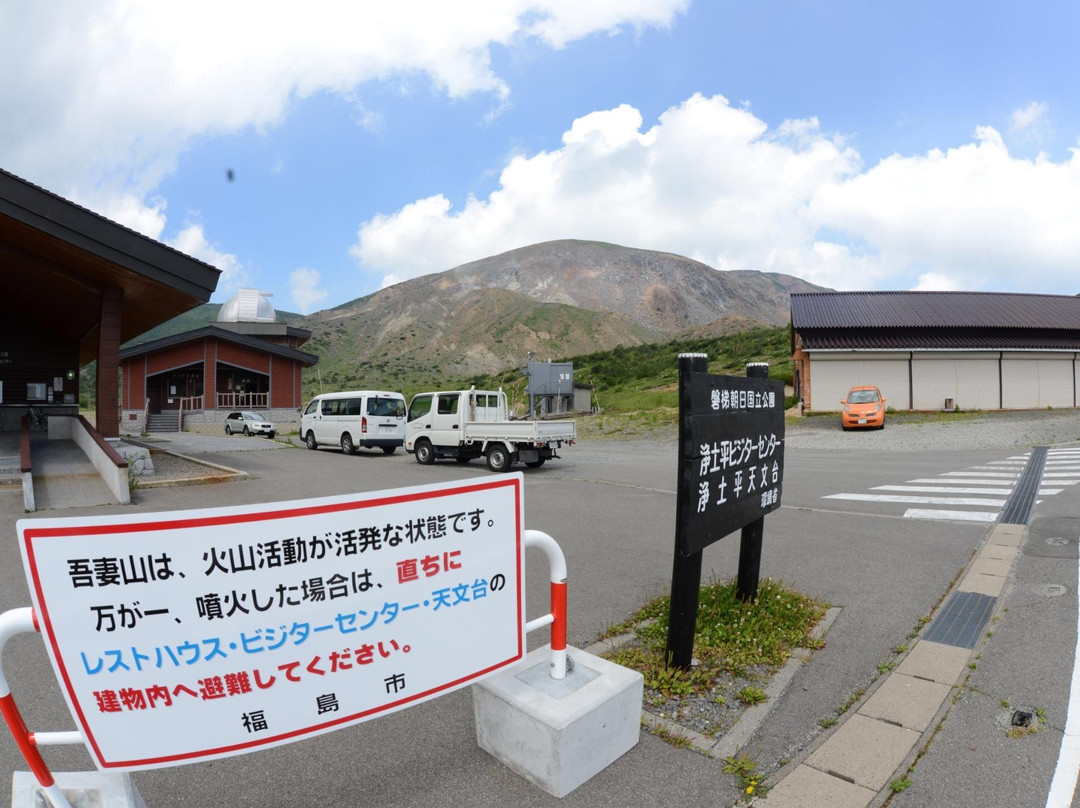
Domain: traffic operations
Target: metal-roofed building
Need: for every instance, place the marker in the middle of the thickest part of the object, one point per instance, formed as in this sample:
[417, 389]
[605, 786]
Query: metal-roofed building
[73, 287]
[246, 360]
[935, 350]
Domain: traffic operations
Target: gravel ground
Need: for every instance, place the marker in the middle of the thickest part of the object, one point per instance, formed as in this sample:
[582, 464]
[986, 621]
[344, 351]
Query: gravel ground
[169, 467]
[946, 431]
[714, 713]
[1020, 429]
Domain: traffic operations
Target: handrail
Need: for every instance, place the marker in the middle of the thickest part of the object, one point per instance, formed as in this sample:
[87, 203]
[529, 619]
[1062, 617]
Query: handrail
[24, 444]
[557, 617]
[117, 459]
[23, 621]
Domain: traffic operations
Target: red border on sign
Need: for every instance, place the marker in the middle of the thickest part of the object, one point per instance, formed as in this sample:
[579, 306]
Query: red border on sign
[45, 622]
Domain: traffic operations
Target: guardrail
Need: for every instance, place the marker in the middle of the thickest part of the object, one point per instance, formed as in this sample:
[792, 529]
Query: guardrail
[23, 621]
[24, 445]
[556, 618]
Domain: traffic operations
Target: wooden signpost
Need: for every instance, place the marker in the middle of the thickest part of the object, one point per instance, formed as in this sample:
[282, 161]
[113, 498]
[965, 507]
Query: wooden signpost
[731, 471]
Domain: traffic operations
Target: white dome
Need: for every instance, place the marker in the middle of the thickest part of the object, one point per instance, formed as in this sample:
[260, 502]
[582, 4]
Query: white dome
[248, 306]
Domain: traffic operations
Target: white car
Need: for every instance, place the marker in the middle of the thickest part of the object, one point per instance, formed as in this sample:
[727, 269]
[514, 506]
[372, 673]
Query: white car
[248, 423]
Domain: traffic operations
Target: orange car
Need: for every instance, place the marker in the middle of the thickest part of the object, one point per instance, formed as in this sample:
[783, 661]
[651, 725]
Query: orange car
[863, 407]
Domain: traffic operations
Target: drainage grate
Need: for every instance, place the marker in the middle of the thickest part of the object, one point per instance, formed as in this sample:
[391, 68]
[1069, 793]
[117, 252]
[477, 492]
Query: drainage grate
[962, 620]
[1017, 510]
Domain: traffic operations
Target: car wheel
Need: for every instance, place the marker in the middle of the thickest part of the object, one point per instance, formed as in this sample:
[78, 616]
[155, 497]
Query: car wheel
[425, 454]
[270, 434]
[228, 429]
[498, 459]
[347, 444]
[389, 449]
[310, 441]
[535, 464]
[247, 432]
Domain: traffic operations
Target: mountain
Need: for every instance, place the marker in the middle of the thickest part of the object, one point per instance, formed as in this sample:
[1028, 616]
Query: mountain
[556, 299]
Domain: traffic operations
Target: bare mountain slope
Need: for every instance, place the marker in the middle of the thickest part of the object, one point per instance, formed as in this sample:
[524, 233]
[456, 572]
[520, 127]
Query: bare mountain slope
[558, 298]
[660, 290]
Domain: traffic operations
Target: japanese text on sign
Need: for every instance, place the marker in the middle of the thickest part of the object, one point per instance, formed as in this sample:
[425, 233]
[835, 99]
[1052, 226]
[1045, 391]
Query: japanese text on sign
[732, 458]
[186, 636]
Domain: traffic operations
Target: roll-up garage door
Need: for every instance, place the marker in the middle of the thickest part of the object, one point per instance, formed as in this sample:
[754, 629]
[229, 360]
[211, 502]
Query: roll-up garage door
[968, 381]
[1034, 381]
[832, 375]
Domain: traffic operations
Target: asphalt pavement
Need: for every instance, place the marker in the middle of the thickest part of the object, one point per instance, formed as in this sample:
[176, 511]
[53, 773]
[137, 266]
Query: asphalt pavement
[611, 506]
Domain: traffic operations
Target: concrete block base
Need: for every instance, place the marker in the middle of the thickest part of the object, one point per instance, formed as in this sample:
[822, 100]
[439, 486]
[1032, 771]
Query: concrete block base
[559, 733]
[82, 789]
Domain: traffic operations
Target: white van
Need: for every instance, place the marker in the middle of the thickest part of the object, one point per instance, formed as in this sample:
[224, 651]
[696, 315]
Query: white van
[365, 418]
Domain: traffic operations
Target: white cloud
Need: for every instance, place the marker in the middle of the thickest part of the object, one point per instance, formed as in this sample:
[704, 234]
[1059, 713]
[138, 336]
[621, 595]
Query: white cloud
[99, 99]
[1030, 124]
[112, 91]
[985, 218]
[935, 282]
[305, 290]
[708, 180]
[713, 182]
[192, 241]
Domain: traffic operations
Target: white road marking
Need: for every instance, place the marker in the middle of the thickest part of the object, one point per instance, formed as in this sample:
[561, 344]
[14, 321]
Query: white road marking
[963, 481]
[945, 489]
[991, 503]
[954, 516]
[979, 471]
[1063, 786]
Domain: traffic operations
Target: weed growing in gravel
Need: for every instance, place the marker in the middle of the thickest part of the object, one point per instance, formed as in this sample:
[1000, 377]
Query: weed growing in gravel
[730, 636]
[746, 775]
[752, 695]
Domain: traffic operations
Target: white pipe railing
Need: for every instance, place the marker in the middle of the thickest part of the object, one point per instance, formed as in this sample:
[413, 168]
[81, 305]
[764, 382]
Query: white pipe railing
[556, 618]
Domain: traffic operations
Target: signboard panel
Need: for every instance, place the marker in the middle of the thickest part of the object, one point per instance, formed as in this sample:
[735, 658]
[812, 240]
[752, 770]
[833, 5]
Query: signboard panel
[199, 634]
[732, 457]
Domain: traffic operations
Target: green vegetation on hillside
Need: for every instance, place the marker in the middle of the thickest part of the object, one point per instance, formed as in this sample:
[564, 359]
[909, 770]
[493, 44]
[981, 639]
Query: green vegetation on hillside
[645, 377]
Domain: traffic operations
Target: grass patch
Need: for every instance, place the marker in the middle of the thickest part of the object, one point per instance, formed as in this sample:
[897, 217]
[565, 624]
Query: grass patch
[730, 636]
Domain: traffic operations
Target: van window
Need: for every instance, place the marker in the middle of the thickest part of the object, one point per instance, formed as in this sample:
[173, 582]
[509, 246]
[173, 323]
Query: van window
[421, 406]
[328, 407]
[354, 406]
[385, 406]
[312, 407]
[448, 404]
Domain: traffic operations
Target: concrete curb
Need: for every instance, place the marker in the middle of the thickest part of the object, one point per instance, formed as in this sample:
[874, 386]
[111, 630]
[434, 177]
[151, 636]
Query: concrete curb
[226, 474]
[894, 723]
[729, 744]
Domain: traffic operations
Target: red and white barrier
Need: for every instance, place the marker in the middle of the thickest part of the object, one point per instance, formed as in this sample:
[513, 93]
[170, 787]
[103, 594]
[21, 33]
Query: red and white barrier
[556, 618]
[22, 621]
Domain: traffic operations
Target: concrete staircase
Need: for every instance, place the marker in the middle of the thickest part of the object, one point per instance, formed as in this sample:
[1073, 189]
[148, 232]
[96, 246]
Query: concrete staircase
[163, 421]
[10, 470]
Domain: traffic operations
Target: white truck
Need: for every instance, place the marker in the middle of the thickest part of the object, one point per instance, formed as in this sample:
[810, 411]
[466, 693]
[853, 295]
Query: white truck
[467, 424]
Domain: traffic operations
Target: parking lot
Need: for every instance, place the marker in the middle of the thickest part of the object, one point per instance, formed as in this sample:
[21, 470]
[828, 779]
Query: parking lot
[611, 506]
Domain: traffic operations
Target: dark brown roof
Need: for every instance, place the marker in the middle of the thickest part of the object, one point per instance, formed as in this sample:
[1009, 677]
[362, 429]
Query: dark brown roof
[940, 339]
[58, 257]
[886, 310]
[212, 330]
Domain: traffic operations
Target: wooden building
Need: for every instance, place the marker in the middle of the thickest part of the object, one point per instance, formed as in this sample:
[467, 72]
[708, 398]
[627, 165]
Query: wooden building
[244, 361]
[937, 350]
[74, 286]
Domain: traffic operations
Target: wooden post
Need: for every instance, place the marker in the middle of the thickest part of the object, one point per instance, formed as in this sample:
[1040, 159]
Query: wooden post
[686, 568]
[752, 534]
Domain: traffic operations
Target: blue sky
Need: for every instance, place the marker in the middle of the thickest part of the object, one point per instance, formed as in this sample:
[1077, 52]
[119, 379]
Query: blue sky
[856, 145]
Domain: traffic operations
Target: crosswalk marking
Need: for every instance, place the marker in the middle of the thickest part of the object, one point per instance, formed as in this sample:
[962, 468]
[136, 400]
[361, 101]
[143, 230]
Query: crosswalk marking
[977, 472]
[956, 516]
[995, 479]
[944, 489]
[990, 503]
